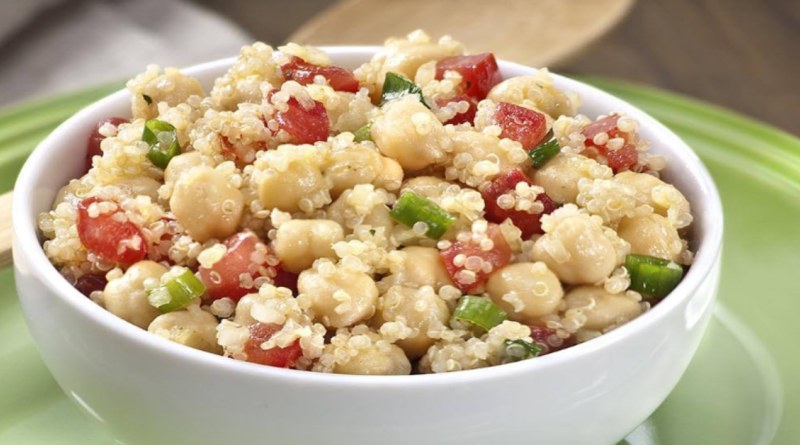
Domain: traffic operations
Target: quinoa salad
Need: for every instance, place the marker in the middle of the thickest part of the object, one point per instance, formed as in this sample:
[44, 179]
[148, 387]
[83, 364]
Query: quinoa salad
[419, 214]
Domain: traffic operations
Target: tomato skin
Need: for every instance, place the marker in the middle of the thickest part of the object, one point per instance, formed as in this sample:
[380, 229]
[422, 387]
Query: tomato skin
[540, 334]
[479, 73]
[461, 118]
[498, 256]
[222, 278]
[303, 73]
[278, 357]
[104, 236]
[284, 278]
[95, 138]
[306, 126]
[526, 126]
[89, 283]
[528, 223]
[619, 160]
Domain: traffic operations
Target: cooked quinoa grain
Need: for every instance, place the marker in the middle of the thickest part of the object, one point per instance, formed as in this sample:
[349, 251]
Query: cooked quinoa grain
[301, 215]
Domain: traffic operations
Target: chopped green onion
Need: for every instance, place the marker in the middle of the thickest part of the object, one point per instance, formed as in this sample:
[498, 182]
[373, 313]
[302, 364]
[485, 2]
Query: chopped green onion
[516, 350]
[477, 312]
[147, 99]
[651, 276]
[415, 211]
[396, 86]
[163, 141]
[364, 133]
[177, 293]
[544, 152]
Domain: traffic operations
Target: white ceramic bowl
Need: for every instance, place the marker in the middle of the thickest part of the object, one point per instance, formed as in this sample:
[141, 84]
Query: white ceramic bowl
[147, 390]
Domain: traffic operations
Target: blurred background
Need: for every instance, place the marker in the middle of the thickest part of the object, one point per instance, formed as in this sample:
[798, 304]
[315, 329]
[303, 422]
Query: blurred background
[740, 54]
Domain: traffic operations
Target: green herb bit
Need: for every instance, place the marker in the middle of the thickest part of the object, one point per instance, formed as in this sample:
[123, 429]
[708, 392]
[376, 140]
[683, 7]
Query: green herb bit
[396, 86]
[479, 313]
[162, 138]
[364, 133]
[177, 293]
[421, 214]
[651, 276]
[516, 350]
[147, 99]
[544, 152]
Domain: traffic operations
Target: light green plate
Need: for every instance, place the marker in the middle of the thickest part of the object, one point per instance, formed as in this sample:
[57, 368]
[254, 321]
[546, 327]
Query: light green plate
[743, 387]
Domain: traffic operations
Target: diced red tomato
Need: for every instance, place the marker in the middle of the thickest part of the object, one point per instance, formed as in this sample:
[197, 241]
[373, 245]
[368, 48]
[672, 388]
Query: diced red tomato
[526, 126]
[306, 126]
[528, 223]
[89, 283]
[619, 160]
[461, 118]
[111, 239]
[95, 138]
[303, 73]
[224, 278]
[284, 278]
[543, 337]
[279, 357]
[479, 73]
[498, 256]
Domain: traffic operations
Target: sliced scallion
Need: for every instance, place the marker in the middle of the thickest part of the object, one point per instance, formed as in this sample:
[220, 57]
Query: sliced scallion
[364, 133]
[479, 313]
[395, 86]
[413, 210]
[516, 350]
[147, 99]
[177, 293]
[162, 138]
[651, 276]
[544, 152]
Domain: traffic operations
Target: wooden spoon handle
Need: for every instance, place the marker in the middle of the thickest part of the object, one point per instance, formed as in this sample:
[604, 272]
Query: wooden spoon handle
[5, 230]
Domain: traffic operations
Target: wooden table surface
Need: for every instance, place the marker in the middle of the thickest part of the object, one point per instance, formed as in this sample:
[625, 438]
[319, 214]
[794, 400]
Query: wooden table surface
[741, 54]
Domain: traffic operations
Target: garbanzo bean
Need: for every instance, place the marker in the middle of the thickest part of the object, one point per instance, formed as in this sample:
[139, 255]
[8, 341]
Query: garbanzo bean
[652, 235]
[665, 199]
[286, 189]
[299, 242]
[526, 291]
[126, 296]
[418, 309]
[535, 91]
[192, 327]
[376, 361]
[206, 205]
[607, 311]
[560, 175]
[336, 296]
[423, 266]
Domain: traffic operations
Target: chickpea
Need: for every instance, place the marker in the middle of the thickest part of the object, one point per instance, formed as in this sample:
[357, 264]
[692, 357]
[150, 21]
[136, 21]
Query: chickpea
[577, 250]
[362, 205]
[423, 266]
[193, 327]
[142, 185]
[427, 186]
[390, 175]
[126, 296]
[376, 361]
[418, 309]
[651, 235]
[526, 291]
[181, 164]
[337, 297]
[665, 199]
[609, 310]
[484, 147]
[410, 133]
[172, 87]
[206, 205]
[536, 91]
[357, 164]
[299, 242]
[560, 175]
[285, 190]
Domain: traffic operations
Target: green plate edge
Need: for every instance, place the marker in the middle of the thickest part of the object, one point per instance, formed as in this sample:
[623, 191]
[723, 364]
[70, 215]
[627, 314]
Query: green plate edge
[742, 387]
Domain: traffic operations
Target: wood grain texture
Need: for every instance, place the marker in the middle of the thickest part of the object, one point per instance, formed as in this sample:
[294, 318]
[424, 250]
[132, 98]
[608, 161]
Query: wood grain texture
[5, 230]
[533, 32]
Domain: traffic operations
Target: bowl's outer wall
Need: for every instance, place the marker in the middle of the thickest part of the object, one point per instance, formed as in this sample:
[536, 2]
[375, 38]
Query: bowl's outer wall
[152, 395]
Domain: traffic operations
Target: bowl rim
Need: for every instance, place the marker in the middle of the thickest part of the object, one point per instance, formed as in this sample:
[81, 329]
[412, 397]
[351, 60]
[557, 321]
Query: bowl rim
[26, 244]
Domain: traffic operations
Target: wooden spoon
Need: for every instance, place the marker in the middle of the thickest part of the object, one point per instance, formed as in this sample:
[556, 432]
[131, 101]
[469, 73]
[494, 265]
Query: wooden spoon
[532, 32]
[5, 230]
